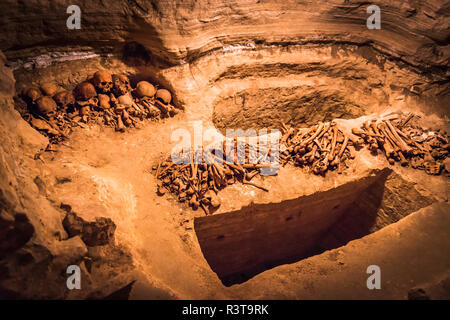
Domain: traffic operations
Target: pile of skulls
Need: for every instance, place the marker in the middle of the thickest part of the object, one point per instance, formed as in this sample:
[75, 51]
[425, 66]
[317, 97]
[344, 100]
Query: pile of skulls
[42, 108]
[319, 148]
[105, 99]
[198, 182]
[399, 142]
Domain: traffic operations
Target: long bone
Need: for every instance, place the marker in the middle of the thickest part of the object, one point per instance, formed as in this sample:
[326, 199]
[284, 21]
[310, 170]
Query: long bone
[402, 144]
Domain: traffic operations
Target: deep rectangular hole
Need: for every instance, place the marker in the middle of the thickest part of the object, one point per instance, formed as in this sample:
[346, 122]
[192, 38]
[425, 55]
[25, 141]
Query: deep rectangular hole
[241, 244]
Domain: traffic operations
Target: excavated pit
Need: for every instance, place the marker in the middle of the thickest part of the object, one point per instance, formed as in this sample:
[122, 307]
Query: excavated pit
[241, 244]
[266, 107]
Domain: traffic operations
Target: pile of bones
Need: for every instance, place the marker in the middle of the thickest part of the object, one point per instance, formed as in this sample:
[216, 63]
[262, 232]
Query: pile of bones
[318, 149]
[105, 98]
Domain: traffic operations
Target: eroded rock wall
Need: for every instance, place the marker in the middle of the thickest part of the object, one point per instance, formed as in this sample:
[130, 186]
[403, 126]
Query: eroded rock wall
[194, 36]
[29, 226]
[175, 31]
[35, 249]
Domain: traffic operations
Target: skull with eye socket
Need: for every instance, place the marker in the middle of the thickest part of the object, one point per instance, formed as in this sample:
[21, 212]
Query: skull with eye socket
[103, 81]
[121, 85]
[164, 96]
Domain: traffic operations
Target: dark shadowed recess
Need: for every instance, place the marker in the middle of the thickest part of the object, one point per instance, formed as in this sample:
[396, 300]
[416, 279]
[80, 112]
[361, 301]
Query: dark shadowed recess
[241, 244]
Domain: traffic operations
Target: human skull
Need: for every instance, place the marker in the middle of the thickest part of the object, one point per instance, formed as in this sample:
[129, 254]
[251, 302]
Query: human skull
[164, 96]
[84, 91]
[33, 94]
[145, 89]
[64, 98]
[103, 81]
[121, 85]
[46, 106]
[50, 89]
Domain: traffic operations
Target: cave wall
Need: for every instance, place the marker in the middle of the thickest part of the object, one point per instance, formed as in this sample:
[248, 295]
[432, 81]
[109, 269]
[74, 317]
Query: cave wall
[30, 228]
[176, 31]
[157, 35]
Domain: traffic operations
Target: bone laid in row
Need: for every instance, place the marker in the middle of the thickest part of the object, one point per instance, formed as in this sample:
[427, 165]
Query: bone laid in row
[406, 144]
